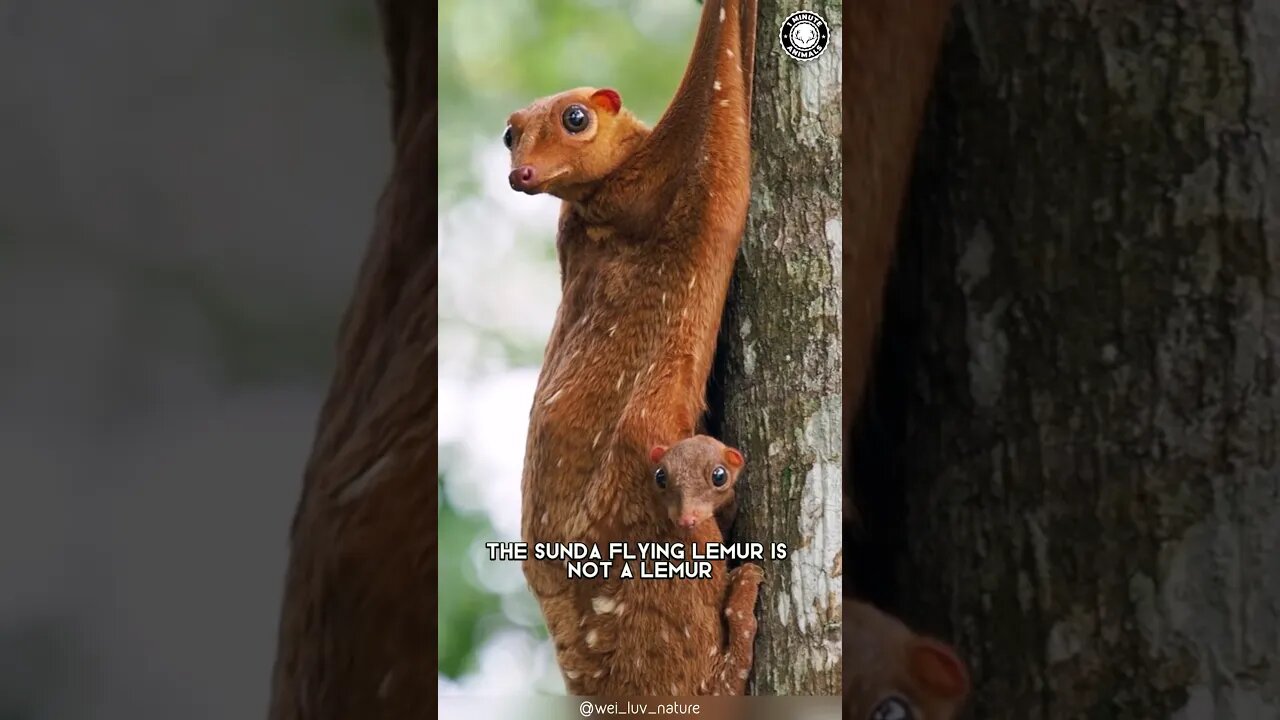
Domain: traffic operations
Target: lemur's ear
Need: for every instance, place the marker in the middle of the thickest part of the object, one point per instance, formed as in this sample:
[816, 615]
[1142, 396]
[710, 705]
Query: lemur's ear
[657, 452]
[607, 99]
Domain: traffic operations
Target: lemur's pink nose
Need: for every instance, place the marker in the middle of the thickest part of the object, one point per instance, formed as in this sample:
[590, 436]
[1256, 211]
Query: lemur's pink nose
[521, 178]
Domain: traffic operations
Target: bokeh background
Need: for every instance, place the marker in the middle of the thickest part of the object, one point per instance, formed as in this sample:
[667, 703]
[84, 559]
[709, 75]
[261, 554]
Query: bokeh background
[186, 189]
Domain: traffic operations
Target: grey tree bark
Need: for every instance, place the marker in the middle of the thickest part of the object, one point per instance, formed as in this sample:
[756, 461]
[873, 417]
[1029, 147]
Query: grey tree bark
[1091, 298]
[780, 369]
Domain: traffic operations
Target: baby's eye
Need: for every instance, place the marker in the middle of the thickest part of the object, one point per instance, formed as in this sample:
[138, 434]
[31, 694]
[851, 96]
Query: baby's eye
[506, 137]
[660, 477]
[892, 708]
[575, 118]
[719, 476]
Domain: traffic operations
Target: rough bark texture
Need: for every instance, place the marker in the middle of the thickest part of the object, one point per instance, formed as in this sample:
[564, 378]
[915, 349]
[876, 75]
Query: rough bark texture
[1090, 306]
[780, 370]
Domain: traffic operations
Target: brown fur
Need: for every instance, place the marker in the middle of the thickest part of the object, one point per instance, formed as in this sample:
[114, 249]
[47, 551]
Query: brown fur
[891, 51]
[689, 496]
[885, 661]
[648, 235]
[357, 635]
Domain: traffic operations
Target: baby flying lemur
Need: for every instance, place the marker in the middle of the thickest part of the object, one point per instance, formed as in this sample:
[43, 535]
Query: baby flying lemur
[694, 479]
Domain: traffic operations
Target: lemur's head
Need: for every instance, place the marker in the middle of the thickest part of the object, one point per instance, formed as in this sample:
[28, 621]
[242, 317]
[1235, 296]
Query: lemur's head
[564, 143]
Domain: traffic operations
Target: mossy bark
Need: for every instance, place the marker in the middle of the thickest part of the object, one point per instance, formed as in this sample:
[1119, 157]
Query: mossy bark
[1087, 317]
[779, 371]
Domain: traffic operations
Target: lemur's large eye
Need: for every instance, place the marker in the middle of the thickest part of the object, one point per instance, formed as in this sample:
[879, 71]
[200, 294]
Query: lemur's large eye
[575, 118]
[660, 477]
[719, 476]
[892, 708]
[506, 137]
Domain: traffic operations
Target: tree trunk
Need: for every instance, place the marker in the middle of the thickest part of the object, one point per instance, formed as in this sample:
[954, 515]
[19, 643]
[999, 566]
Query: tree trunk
[780, 369]
[1090, 308]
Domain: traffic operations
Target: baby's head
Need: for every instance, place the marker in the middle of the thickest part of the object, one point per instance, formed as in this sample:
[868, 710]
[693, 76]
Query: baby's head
[695, 478]
[893, 673]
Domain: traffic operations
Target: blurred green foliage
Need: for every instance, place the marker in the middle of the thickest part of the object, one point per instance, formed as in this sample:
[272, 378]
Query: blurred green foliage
[496, 56]
[463, 604]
